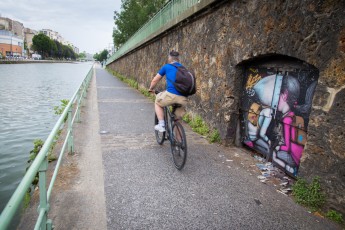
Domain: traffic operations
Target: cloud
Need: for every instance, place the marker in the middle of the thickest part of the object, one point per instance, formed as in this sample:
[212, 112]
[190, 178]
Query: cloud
[88, 24]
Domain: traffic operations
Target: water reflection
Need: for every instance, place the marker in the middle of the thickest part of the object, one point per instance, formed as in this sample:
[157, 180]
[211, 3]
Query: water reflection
[28, 94]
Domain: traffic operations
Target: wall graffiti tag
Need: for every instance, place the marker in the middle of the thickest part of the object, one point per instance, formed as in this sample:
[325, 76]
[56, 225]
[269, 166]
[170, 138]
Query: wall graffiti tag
[276, 105]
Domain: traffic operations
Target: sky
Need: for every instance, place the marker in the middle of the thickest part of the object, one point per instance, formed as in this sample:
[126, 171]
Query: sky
[88, 24]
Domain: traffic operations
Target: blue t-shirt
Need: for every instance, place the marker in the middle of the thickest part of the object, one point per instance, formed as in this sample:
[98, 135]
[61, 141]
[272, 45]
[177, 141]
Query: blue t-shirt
[170, 72]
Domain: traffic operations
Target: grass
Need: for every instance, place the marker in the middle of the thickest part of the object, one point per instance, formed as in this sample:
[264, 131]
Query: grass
[309, 195]
[215, 136]
[133, 83]
[335, 216]
[200, 126]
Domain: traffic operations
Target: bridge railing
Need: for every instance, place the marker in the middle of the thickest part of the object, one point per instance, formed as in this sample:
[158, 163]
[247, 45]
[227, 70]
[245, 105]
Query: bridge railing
[166, 15]
[40, 164]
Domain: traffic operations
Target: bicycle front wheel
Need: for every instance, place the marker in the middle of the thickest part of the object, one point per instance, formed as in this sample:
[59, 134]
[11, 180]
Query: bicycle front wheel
[160, 137]
[179, 146]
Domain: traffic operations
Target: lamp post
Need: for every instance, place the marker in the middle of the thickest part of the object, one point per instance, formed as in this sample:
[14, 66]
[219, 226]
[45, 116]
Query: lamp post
[11, 54]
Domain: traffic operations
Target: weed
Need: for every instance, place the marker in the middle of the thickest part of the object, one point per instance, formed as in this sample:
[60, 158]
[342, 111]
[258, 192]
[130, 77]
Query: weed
[59, 109]
[187, 118]
[38, 144]
[199, 126]
[214, 137]
[335, 216]
[309, 195]
[133, 83]
[27, 199]
[146, 93]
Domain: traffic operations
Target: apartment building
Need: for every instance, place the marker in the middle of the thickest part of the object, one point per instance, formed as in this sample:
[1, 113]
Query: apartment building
[56, 36]
[52, 35]
[11, 38]
[11, 45]
[29, 34]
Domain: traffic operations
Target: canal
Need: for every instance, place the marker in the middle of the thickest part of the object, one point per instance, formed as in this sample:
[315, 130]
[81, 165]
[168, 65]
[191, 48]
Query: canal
[28, 94]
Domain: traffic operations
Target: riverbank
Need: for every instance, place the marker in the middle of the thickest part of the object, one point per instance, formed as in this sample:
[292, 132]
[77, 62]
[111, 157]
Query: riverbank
[34, 61]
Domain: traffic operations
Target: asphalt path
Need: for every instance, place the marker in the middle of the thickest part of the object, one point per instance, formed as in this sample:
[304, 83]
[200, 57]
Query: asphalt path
[143, 189]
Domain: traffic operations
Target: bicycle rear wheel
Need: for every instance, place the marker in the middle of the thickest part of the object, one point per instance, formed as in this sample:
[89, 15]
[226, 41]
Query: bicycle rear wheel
[179, 146]
[160, 137]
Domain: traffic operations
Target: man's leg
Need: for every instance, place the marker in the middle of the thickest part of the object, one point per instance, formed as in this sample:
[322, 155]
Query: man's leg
[159, 104]
[160, 112]
[180, 111]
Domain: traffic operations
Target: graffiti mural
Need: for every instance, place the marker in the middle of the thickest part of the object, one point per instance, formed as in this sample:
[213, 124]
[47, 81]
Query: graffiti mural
[276, 105]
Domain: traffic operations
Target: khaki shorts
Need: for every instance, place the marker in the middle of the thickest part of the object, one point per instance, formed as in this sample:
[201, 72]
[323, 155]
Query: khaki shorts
[165, 99]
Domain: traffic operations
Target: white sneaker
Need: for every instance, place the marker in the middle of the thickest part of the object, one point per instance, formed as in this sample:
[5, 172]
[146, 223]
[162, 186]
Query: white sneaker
[160, 128]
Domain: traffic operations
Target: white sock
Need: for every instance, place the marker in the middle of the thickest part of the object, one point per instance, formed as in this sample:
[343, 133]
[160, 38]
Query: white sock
[161, 123]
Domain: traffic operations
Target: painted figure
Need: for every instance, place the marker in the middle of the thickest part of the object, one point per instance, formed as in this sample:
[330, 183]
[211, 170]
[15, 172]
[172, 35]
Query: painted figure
[260, 115]
[289, 151]
[276, 108]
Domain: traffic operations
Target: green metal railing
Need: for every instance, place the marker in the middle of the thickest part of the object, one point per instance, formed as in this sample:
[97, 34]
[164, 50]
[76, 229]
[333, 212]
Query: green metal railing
[167, 14]
[40, 164]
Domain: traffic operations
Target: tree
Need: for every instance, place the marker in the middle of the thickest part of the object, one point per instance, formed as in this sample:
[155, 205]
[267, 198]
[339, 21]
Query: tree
[102, 56]
[59, 50]
[42, 44]
[82, 55]
[134, 14]
[51, 48]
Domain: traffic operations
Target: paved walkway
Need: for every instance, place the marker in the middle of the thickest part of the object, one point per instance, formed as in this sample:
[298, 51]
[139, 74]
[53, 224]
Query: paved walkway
[125, 180]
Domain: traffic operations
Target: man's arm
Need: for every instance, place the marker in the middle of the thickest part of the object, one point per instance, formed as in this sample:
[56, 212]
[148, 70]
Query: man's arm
[155, 81]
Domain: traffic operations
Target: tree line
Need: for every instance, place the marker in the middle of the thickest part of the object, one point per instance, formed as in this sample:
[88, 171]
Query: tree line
[101, 56]
[133, 15]
[52, 48]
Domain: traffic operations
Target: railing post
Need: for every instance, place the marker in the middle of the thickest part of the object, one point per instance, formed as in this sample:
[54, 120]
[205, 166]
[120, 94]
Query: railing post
[84, 93]
[79, 95]
[85, 90]
[70, 130]
[43, 192]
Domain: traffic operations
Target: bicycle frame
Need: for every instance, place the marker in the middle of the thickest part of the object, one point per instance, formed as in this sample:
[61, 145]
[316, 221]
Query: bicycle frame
[169, 118]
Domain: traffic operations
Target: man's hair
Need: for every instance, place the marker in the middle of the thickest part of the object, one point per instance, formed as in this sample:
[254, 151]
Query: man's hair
[174, 53]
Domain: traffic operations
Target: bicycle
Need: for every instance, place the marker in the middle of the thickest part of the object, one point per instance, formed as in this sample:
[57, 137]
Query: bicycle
[174, 132]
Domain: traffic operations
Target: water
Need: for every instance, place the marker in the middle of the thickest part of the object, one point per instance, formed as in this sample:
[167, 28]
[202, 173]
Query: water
[28, 94]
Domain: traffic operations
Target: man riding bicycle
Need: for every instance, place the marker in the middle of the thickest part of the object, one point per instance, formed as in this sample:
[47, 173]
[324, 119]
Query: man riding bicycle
[170, 95]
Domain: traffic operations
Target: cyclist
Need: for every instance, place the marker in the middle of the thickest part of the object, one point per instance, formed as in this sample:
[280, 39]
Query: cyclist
[170, 95]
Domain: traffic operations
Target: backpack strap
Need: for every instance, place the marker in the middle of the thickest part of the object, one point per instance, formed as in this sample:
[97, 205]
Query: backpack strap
[176, 68]
[175, 65]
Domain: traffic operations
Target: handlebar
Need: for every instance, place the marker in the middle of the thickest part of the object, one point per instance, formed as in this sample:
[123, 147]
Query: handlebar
[154, 91]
